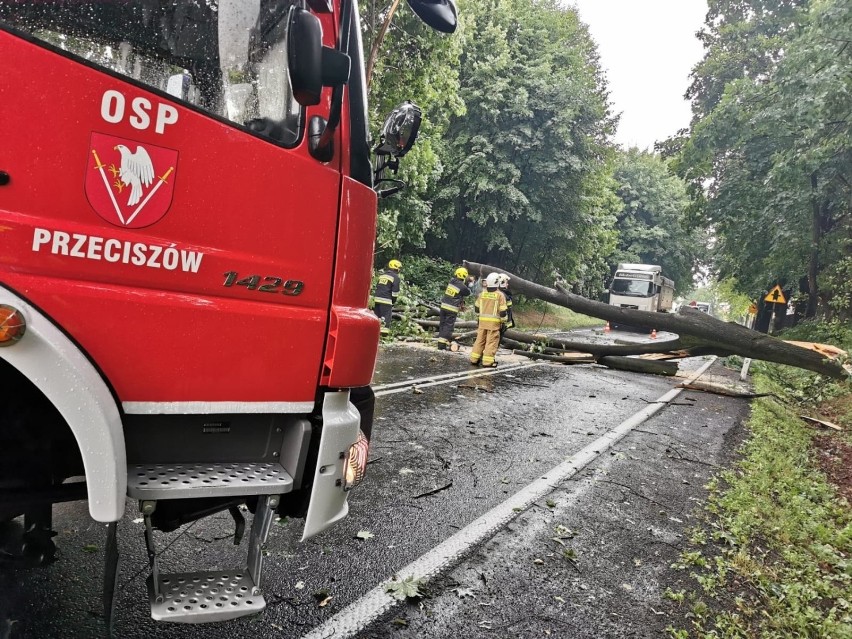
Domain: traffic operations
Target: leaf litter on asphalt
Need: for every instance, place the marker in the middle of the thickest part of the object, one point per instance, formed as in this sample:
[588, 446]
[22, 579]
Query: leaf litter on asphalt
[408, 588]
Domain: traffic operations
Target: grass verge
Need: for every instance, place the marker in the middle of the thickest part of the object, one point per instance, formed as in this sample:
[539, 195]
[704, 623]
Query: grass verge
[774, 558]
[535, 316]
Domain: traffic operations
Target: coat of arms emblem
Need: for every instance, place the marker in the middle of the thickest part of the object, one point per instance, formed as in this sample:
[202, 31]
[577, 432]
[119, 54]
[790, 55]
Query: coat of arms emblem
[127, 183]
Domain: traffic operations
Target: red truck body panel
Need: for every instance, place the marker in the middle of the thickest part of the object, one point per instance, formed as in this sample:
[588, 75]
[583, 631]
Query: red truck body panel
[148, 299]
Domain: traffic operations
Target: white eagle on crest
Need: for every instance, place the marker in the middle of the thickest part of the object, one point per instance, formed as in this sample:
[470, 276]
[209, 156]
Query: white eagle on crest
[136, 171]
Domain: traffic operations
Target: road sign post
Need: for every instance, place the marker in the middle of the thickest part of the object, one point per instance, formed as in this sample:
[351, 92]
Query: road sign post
[776, 299]
[752, 315]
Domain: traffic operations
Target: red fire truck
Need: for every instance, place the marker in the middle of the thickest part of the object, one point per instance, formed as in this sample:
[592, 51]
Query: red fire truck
[187, 218]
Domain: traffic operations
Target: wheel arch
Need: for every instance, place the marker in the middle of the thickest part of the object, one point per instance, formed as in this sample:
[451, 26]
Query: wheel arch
[55, 365]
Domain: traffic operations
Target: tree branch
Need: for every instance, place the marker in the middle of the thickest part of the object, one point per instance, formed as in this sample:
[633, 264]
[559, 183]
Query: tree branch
[697, 331]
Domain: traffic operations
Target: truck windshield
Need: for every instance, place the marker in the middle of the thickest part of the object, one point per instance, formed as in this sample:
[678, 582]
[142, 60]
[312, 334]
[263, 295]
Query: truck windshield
[633, 288]
[225, 57]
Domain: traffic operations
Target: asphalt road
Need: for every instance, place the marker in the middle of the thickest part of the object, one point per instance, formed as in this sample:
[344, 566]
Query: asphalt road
[442, 456]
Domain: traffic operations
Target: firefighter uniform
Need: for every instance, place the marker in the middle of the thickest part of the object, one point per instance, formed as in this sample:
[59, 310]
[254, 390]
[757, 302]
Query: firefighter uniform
[510, 320]
[491, 306]
[387, 290]
[451, 303]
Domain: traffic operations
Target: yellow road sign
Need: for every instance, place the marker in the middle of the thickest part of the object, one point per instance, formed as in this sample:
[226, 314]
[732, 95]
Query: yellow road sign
[775, 296]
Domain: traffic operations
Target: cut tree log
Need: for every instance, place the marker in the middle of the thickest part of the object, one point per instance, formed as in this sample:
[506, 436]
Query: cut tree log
[577, 358]
[636, 365]
[590, 347]
[563, 345]
[697, 332]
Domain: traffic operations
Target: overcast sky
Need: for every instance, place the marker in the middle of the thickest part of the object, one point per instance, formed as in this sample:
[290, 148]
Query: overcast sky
[647, 48]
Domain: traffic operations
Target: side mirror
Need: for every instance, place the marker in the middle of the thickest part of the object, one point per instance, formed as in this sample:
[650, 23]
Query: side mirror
[441, 15]
[311, 65]
[304, 55]
[398, 136]
[400, 130]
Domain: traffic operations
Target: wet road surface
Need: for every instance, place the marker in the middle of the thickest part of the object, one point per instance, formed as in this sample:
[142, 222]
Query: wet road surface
[441, 456]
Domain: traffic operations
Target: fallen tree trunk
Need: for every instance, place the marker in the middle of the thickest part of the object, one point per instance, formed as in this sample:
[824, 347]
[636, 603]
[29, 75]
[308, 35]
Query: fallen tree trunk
[697, 332]
[435, 324]
[594, 349]
[465, 335]
[576, 347]
[639, 365]
[521, 346]
[580, 358]
[517, 340]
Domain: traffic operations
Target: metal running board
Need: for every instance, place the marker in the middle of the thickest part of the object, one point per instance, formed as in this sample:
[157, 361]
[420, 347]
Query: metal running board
[218, 595]
[176, 481]
[200, 597]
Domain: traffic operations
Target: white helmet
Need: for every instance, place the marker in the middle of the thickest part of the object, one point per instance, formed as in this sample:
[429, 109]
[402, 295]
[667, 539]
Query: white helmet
[493, 280]
[504, 280]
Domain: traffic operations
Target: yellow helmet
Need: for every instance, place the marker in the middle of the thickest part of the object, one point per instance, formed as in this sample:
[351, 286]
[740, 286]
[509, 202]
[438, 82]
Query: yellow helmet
[461, 273]
[395, 265]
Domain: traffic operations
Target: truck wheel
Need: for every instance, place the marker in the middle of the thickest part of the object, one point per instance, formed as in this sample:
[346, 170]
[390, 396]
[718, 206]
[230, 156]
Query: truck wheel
[38, 549]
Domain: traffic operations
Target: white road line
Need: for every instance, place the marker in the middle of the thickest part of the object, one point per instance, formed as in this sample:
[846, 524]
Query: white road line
[357, 615]
[423, 382]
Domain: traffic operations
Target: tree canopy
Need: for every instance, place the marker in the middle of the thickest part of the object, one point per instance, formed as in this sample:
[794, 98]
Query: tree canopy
[528, 181]
[651, 225]
[768, 156]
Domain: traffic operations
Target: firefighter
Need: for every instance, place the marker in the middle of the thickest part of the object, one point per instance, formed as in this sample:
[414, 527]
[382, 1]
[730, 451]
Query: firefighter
[451, 303]
[510, 319]
[387, 290]
[491, 307]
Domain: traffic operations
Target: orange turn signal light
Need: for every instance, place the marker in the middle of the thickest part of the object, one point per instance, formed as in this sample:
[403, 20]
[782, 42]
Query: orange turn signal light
[12, 325]
[355, 462]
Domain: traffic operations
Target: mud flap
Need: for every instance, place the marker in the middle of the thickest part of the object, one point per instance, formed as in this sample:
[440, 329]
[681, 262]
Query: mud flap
[340, 428]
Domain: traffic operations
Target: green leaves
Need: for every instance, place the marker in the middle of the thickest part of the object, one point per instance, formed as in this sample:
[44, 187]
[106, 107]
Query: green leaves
[652, 226]
[408, 588]
[514, 164]
[768, 157]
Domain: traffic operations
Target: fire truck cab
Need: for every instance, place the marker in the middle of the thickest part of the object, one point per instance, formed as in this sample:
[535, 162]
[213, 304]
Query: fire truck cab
[187, 219]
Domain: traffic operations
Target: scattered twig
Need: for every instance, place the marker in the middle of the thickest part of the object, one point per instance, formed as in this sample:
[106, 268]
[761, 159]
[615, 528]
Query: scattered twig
[690, 459]
[434, 491]
[638, 494]
[666, 403]
[474, 387]
[821, 422]
[647, 432]
[519, 383]
[716, 389]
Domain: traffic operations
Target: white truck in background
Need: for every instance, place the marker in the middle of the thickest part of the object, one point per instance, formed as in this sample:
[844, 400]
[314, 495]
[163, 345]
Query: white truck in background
[642, 287]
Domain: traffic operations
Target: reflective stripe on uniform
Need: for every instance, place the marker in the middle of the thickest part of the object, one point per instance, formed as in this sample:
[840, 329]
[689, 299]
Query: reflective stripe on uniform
[382, 300]
[491, 305]
[450, 308]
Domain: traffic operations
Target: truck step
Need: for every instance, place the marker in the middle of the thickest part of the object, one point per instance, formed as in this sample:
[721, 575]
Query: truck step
[200, 597]
[176, 481]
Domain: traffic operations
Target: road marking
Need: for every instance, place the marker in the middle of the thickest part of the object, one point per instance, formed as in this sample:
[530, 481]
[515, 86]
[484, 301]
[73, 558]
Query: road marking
[436, 380]
[357, 615]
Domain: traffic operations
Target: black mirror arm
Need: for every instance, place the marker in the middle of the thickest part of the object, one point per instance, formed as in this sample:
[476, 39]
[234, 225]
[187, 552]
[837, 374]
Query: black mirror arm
[337, 93]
